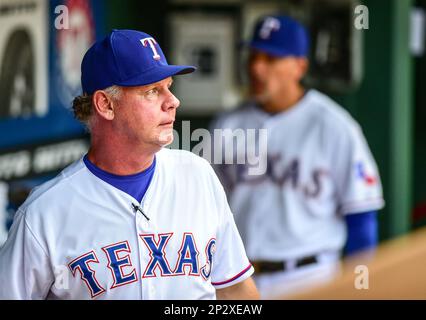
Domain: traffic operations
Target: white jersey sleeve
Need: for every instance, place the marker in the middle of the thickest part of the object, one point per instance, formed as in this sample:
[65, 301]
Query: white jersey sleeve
[230, 262]
[357, 178]
[24, 269]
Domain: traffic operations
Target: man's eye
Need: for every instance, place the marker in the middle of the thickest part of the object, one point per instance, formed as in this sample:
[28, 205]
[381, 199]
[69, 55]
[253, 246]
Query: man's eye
[152, 92]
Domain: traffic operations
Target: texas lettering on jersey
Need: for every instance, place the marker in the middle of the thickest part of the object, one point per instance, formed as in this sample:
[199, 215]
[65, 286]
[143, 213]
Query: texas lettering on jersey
[281, 175]
[123, 271]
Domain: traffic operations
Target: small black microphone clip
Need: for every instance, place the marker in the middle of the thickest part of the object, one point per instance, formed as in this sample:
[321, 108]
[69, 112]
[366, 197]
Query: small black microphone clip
[138, 208]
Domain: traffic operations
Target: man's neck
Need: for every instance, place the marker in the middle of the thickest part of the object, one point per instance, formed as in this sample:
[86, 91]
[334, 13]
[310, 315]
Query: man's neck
[284, 101]
[117, 159]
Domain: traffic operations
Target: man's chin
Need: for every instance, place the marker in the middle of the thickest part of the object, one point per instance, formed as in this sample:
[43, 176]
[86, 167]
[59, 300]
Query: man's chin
[165, 139]
[260, 97]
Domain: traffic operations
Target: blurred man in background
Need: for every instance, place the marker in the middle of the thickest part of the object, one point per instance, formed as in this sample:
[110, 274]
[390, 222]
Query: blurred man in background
[321, 191]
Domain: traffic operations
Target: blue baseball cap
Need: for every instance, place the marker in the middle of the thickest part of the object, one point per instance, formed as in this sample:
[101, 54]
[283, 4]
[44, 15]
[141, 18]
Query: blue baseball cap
[280, 36]
[126, 58]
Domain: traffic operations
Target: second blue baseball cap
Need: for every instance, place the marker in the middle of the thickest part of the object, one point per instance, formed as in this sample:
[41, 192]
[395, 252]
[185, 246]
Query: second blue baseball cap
[280, 36]
[126, 58]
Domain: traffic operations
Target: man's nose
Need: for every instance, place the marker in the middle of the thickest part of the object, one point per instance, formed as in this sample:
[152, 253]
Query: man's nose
[171, 102]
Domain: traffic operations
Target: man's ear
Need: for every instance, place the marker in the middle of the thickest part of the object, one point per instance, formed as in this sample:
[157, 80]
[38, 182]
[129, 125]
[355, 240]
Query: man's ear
[103, 104]
[303, 64]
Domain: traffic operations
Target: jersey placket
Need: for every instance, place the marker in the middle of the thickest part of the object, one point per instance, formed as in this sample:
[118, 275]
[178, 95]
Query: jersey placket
[145, 224]
[142, 225]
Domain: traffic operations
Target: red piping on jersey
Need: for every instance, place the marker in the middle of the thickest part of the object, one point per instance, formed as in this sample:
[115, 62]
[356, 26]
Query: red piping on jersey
[233, 278]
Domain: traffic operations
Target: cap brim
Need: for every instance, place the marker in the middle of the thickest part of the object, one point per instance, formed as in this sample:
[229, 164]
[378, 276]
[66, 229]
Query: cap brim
[273, 51]
[156, 74]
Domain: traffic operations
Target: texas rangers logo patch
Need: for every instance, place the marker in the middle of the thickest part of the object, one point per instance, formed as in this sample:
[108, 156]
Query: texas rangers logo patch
[362, 173]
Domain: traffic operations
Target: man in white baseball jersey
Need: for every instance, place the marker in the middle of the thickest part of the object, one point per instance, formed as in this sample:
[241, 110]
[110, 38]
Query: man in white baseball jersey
[321, 189]
[130, 220]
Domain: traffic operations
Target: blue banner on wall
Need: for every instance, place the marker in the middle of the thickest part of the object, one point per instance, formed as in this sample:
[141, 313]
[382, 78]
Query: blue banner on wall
[46, 41]
[42, 43]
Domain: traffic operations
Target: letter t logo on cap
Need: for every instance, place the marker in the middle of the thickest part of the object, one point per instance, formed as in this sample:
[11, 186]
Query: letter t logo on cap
[270, 24]
[152, 43]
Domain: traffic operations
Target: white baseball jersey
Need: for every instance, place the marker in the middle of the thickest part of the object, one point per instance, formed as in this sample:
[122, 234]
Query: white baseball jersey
[319, 168]
[78, 237]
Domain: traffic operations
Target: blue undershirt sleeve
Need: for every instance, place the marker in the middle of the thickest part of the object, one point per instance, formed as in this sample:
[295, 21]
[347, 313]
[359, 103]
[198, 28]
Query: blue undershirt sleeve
[362, 231]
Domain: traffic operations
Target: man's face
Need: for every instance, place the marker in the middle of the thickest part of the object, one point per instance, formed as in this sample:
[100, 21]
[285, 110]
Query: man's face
[271, 77]
[145, 114]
